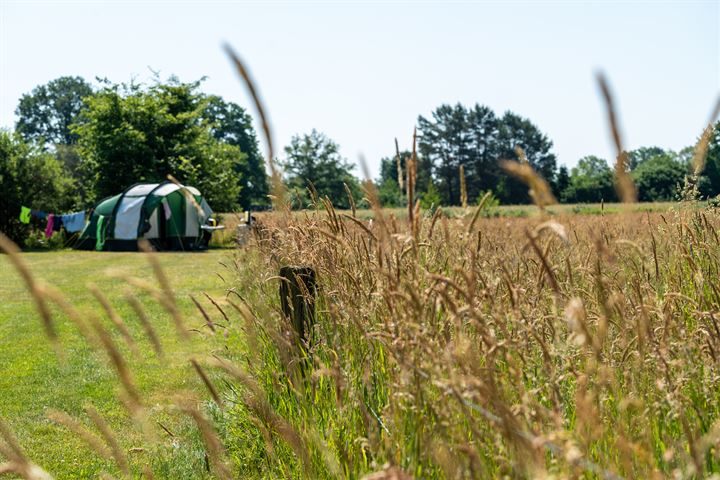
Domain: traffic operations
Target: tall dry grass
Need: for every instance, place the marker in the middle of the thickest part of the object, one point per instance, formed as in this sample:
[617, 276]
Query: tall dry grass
[498, 347]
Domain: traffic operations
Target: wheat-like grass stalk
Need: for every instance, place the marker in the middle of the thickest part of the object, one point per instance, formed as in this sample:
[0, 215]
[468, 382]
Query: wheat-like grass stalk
[623, 181]
[215, 449]
[701, 147]
[145, 322]
[278, 187]
[411, 170]
[110, 439]
[55, 296]
[208, 321]
[144, 244]
[398, 161]
[154, 262]
[463, 187]
[539, 189]
[118, 362]
[206, 381]
[13, 253]
[17, 463]
[217, 307]
[113, 316]
[82, 432]
[168, 304]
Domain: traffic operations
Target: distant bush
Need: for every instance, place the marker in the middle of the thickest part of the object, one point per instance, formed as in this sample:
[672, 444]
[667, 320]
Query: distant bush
[658, 178]
[431, 198]
[28, 177]
[714, 203]
[36, 240]
[491, 202]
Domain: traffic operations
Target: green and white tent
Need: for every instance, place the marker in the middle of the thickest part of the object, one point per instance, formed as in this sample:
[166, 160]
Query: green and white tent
[162, 213]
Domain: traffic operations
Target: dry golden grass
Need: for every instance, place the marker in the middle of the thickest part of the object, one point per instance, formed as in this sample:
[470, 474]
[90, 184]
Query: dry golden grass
[491, 347]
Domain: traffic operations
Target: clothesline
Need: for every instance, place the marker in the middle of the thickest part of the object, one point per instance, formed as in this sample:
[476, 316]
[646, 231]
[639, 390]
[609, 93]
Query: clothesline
[71, 222]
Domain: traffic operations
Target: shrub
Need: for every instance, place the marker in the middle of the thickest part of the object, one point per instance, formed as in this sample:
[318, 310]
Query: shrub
[32, 178]
[430, 199]
[36, 240]
[714, 203]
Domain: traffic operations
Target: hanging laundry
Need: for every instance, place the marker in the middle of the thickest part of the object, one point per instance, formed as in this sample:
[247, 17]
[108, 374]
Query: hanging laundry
[166, 207]
[24, 214]
[58, 224]
[49, 227]
[73, 222]
[38, 214]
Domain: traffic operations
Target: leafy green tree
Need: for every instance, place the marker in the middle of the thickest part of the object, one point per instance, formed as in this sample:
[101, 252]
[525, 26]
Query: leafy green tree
[231, 124]
[590, 181]
[133, 134]
[685, 156]
[443, 140]
[391, 195]
[638, 156]
[712, 164]
[431, 198]
[313, 160]
[484, 171]
[561, 182]
[29, 177]
[47, 113]
[388, 167]
[477, 139]
[658, 178]
[516, 131]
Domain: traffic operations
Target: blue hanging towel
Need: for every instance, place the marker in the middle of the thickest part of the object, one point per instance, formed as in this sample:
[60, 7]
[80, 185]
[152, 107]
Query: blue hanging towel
[38, 214]
[73, 222]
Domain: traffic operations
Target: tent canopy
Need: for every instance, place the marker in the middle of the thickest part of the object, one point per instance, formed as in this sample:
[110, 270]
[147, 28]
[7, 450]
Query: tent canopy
[166, 214]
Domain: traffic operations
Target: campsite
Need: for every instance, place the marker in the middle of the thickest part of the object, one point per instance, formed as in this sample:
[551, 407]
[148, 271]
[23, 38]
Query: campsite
[359, 240]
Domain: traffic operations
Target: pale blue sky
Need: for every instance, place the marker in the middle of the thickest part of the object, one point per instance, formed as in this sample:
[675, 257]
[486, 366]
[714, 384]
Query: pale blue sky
[363, 71]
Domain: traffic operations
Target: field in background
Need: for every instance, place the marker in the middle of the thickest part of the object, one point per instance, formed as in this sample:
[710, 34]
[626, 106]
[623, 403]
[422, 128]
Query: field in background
[233, 219]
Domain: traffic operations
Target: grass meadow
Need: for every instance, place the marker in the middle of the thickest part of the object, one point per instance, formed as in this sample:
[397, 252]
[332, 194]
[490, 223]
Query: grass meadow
[444, 346]
[37, 379]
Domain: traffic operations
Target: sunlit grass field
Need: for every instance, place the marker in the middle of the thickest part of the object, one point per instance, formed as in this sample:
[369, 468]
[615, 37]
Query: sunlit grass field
[36, 378]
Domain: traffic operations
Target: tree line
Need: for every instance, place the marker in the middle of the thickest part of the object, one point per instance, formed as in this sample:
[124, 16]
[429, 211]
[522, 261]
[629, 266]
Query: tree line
[476, 140]
[75, 143]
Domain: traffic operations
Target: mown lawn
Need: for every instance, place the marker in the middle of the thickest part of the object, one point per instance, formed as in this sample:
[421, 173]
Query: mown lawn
[35, 379]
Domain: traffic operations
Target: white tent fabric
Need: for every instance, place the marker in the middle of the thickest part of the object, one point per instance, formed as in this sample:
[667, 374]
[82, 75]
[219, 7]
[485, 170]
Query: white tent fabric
[141, 190]
[192, 225]
[127, 217]
[166, 189]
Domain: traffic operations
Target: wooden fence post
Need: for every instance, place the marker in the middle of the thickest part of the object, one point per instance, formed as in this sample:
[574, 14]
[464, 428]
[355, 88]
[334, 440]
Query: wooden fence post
[298, 289]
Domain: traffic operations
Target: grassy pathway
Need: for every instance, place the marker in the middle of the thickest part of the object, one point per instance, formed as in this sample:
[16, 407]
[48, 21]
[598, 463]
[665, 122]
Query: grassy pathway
[34, 379]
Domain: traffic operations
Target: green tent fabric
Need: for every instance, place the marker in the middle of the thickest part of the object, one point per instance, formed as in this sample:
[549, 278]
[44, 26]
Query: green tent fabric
[100, 233]
[168, 215]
